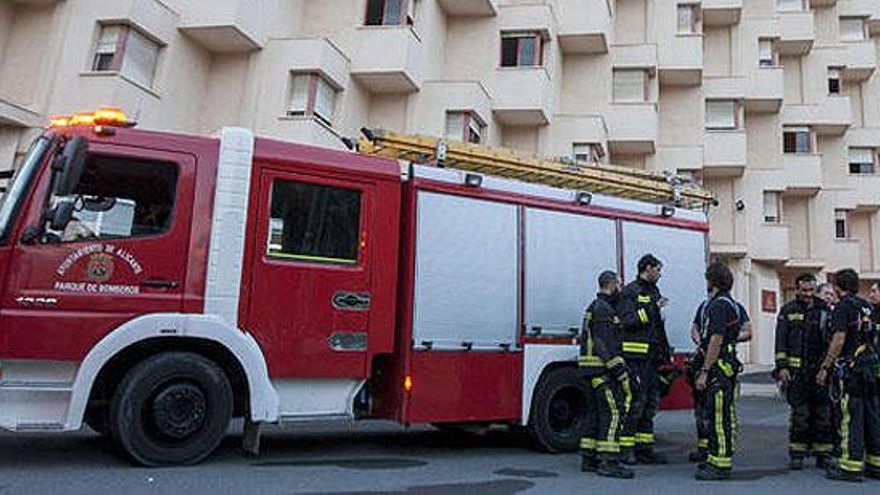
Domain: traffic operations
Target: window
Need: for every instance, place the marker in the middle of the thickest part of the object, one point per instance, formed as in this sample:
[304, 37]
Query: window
[772, 207]
[630, 85]
[121, 197]
[314, 223]
[465, 126]
[587, 152]
[312, 95]
[521, 49]
[789, 5]
[125, 49]
[852, 29]
[767, 53]
[841, 230]
[833, 81]
[797, 140]
[721, 114]
[689, 19]
[385, 12]
[861, 161]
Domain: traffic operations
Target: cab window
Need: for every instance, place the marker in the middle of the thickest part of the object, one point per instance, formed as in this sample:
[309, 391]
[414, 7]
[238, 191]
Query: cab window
[120, 198]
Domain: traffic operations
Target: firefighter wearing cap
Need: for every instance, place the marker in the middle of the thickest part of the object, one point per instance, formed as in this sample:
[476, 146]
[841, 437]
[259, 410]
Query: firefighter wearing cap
[717, 378]
[851, 362]
[608, 382]
[645, 347]
[801, 342]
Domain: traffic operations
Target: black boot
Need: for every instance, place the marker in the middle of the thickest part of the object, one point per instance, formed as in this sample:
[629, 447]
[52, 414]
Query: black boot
[698, 456]
[872, 472]
[649, 457]
[796, 463]
[837, 474]
[613, 469]
[708, 473]
[823, 461]
[589, 463]
[629, 458]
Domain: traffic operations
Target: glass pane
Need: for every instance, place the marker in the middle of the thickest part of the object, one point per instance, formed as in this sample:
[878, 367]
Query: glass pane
[629, 85]
[375, 12]
[765, 53]
[720, 114]
[802, 140]
[455, 125]
[789, 5]
[392, 12]
[475, 130]
[139, 59]
[771, 207]
[315, 223]
[852, 29]
[528, 51]
[685, 18]
[121, 197]
[299, 94]
[509, 52]
[325, 100]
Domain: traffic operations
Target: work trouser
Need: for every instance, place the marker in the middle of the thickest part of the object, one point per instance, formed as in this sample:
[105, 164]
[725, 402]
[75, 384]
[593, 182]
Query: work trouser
[608, 404]
[859, 430]
[718, 408]
[638, 431]
[811, 429]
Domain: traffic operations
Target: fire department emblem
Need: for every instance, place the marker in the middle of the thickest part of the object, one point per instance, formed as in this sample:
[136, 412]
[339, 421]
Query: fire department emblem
[100, 267]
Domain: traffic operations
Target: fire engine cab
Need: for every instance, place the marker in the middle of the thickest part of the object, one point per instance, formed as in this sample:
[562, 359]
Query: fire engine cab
[156, 285]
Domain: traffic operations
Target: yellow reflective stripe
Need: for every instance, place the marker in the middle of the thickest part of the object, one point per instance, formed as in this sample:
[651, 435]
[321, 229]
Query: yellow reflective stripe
[703, 443]
[643, 299]
[597, 381]
[643, 316]
[636, 347]
[781, 355]
[725, 367]
[844, 427]
[851, 465]
[612, 447]
[590, 362]
[798, 447]
[720, 461]
[794, 362]
[614, 362]
[646, 438]
[821, 448]
[627, 441]
[627, 396]
[796, 317]
[719, 422]
[874, 461]
[615, 416]
[734, 429]
[588, 443]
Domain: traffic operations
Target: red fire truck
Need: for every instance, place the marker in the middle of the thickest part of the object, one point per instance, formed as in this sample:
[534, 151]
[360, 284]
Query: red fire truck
[156, 285]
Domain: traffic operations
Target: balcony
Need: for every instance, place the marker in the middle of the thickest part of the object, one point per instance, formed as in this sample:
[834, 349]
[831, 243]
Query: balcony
[770, 243]
[797, 32]
[822, 3]
[724, 153]
[310, 55]
[727, 250]
[681, 157]
[765, 88]
[576, 128]
[832, 117]
[867, 191]
[722, 12]
[225, 26]
[469, 7]
[869, 9]
[305, 130]
[724, 88]
[802, 174]
[860, 60]
[523, 96]
[681, 60]
[151, 16]
[641, 56]
[15, 115]
[632, 128]
[863, 137]
[528, 17]
[585, 26]
[847, 254]
[389, 59]
[440, 96]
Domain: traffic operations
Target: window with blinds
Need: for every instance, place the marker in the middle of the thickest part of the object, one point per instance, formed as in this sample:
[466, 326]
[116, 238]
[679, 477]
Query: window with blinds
[124, 49]
[852, 29]
[689, 18]
[630, 85]
[772, 207]
[790, 5]
[861, 161]
[311, 95]
[721, 114]
[766, 53]
[797, 140]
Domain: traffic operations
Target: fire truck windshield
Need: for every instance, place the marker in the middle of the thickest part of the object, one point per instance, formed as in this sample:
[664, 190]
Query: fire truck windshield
[11, 202]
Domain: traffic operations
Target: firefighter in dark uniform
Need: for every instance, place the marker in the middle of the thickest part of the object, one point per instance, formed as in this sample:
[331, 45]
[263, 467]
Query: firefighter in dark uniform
[717, 378]
[700, 339]
[801, 343]
[645, 347]
[608, 381]
[851, 364]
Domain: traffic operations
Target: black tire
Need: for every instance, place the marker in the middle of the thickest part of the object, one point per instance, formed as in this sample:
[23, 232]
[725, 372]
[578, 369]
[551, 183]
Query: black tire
[98, 419]
[172, 408]
[558, 416]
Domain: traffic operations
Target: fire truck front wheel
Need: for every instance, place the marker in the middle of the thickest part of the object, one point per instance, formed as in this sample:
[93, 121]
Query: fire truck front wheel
[559, 408]
[171, 408]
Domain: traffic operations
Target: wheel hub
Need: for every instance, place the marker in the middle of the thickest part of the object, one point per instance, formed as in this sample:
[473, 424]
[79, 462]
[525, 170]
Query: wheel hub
[566, 408]
[179, 410]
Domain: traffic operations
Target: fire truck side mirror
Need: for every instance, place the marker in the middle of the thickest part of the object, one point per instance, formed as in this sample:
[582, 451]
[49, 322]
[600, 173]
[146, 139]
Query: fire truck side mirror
[73, 164]
[61, 215]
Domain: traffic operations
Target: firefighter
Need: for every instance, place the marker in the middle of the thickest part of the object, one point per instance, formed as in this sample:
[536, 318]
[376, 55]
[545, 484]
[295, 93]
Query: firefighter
[827, 294]
[645, 347]
[696, 363]
[717, 378]
[608, 382]
[851, 363]
[801, 342]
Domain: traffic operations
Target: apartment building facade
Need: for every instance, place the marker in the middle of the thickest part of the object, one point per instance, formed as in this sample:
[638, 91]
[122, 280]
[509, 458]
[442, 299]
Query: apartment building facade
[772, 104]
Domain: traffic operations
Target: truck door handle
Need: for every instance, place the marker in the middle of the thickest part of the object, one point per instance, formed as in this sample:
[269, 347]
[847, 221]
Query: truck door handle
[160, 284]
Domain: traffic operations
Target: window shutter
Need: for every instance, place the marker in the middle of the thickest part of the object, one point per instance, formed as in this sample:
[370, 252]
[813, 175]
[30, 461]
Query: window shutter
[686, 19]
[139, 59]
[771, 207]
[720, 114]
[852, 29]
[789, 5]
[765, 53]
[299, 94]
[455, 125]
[325, 100]
[629, 85]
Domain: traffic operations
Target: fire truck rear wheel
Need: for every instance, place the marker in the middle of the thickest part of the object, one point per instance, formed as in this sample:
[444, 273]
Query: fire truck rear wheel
[172, 408]
[559, 407]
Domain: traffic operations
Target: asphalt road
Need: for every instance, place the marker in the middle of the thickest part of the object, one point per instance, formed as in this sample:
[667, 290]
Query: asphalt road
[381, 458]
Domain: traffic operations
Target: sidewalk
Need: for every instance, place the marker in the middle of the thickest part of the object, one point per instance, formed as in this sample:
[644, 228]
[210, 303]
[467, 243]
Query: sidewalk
[756, 381]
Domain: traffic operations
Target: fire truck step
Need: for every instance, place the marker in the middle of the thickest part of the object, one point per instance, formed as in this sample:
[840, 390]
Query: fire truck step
[36, 386]
[39, 427]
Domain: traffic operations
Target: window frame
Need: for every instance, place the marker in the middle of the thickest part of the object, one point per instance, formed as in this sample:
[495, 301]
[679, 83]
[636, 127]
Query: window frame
[863, 31]
[117, 64]
[310, 111]
[799, 130]
[646, 85]
[801, 6]
[774, 54]
[406, 18]
[841, 217]
[695, 26]
[519, 36]
[737, 121]
[835, 74]
[594, 151]
[469, 119]
[777, 202]
[872, 164]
